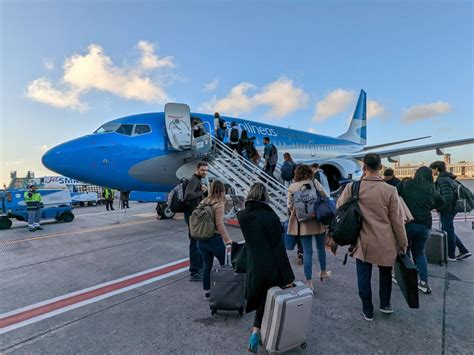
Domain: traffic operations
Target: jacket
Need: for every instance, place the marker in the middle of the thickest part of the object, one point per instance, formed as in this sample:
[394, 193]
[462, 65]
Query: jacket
[267, 262]
[193, 194]
[311, 227]
[323, 180]
[383, 228]
[420, 202]
[448, 189]
[393, 181]
[33, 200]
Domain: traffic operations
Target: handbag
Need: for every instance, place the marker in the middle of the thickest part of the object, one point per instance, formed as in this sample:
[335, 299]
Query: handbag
[406, 275]
[325, 208]
[239, 257]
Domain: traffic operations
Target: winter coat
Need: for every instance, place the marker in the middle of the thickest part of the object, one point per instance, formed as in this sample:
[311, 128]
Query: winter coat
[448, 189]
[311, 227]
[420, 202]
[383, 228]
[267, 262]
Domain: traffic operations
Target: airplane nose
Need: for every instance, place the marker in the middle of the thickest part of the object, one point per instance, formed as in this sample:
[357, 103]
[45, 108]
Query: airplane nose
[64, 158]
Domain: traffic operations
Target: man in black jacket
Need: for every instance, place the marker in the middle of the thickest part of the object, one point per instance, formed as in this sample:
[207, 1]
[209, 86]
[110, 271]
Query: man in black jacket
[193, 195]
[447, 187]
[390, 178]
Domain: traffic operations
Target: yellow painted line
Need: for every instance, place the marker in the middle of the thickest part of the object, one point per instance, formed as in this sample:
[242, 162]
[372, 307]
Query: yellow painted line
[82, 231]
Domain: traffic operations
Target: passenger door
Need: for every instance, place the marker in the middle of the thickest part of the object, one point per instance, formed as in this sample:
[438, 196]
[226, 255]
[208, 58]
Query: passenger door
[178, 125]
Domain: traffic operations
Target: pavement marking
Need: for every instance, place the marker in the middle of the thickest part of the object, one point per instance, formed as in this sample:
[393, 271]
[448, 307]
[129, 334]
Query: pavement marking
[148, 214]
[60, 234]
[458, 219]
[34, 313]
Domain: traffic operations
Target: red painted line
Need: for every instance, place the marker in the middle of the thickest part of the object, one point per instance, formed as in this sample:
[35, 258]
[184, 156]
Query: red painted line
[20, 317]
[233, 222]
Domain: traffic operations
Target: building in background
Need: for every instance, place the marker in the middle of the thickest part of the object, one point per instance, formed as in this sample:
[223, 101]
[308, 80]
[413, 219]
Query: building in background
[462, 169]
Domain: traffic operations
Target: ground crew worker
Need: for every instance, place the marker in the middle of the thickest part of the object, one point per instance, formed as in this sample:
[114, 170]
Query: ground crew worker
[109, 198]
[34, 205]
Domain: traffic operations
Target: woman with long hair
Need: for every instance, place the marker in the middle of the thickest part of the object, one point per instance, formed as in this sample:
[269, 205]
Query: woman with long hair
[421, 197]
[308, 230]
[243, 143]
[216, 245]
[267, 262]
[288, 169]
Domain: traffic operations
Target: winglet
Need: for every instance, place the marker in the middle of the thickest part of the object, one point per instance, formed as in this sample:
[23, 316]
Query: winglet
[357, 131]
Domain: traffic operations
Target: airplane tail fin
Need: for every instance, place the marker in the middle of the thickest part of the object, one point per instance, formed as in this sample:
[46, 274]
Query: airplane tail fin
[357, 131]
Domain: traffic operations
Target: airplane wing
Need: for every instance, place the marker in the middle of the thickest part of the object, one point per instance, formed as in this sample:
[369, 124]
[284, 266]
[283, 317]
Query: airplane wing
[370, 147]
[411, 150]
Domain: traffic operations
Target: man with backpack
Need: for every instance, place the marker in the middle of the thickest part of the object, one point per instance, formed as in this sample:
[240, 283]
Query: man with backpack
[193, 194]
[234, 135]
[382, 233]
[270, 154]
[448, 188]
[321, 177]
[220, 127]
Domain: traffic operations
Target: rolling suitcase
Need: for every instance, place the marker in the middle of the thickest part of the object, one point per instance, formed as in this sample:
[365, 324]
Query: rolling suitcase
[436, 248]
[287, 318]
[227, 289]
[406, 275]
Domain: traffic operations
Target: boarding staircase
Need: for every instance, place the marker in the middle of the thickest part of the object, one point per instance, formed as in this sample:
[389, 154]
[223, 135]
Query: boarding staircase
[241, 174]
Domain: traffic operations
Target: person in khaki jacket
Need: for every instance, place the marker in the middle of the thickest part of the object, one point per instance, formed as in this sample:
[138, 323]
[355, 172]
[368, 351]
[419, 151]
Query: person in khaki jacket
[307, 229]
[382, 235]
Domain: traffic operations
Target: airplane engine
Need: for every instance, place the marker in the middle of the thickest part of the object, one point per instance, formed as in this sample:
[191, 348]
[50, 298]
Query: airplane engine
[337, 169]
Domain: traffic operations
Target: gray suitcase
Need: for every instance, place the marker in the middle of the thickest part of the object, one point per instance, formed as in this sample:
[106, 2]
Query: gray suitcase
[436, 249]
[227, 289]
[287, 318]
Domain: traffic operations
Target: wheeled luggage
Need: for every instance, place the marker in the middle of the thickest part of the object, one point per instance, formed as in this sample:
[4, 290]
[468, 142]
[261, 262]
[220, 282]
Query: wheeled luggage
[436, 249]
[227, 289]
[287, 318]
[406, 275]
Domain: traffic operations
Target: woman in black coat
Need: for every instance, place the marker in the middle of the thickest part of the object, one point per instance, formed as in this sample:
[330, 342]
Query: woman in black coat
[267, 262]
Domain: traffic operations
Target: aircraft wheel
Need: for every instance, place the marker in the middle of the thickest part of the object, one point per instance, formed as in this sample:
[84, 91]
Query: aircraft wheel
[5, 223]
[67, 217]
[165, 212]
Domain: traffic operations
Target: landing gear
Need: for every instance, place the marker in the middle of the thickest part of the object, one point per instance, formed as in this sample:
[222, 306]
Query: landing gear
[164, 212]
[5, 223]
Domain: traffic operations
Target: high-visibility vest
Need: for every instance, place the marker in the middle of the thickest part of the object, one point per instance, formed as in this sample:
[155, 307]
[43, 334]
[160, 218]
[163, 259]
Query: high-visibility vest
[33, 200]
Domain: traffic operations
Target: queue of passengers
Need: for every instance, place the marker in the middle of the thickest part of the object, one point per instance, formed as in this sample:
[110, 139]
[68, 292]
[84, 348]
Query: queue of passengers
[387, 230]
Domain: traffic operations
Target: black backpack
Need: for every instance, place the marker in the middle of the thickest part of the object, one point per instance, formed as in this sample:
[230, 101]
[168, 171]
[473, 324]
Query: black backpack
[347, 222]
[176, 197]
[234, 135]
[288, 171]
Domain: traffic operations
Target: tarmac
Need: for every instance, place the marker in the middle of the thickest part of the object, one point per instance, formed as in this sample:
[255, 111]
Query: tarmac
[117, 283]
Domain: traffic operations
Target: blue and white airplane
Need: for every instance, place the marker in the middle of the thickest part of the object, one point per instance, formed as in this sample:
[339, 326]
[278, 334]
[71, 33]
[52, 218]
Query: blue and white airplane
[145, 152]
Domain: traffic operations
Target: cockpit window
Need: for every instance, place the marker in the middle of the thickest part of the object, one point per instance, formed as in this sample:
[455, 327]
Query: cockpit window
[108, 127]
[126, 129]
[142, 129]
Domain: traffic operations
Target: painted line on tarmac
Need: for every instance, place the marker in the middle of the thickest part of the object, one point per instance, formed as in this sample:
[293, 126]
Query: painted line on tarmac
[81, 231]
[458, 219]
[34, 313]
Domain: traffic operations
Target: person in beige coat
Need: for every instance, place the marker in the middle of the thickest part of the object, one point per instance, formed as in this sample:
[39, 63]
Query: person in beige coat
[308, 229]
[382, 235]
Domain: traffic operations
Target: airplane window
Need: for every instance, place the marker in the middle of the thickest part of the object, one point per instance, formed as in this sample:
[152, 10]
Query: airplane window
[125, 129]
[107, 128]
[142, 129]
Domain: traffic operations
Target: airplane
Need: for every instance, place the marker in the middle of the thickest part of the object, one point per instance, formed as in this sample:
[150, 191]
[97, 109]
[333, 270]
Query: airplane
[152, 151]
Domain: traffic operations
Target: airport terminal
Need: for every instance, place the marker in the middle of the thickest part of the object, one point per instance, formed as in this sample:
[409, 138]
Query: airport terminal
[222, 228]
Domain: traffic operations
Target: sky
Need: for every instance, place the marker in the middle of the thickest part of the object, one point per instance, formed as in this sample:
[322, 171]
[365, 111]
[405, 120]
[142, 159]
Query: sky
[67, 67]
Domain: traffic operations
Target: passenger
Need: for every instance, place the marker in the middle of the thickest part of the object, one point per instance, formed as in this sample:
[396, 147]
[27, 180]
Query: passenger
[198, 131]
[288, 169]
[448, 189]
[421, 196]
[255, 158]
[234, 135]
[389, 177]
[382, 235]
[270, 155]
[34, 205]
[109, 195]
[321, 177]
[220, 127]
[193, 195]
[308, 229]
[215, 246]
[124, 198]
[267, 262]
[243, 144]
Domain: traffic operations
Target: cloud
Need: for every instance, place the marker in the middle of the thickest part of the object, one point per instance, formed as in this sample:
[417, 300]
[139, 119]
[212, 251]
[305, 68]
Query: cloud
[375, 110]
[211, 86]
[96, 71]
[281, 96]
[48, 64]
[425, 111]
[335, 102]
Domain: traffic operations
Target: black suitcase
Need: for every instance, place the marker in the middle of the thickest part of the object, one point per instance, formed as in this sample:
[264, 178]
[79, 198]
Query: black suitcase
[406, 275]
[436, 249]
[227, 289]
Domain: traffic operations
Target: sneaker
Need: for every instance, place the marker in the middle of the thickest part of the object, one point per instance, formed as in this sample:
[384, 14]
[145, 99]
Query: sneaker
[196, 277]
[424, 287]
[452, 259]
[463, 256]
[387, 309]
[368, 318]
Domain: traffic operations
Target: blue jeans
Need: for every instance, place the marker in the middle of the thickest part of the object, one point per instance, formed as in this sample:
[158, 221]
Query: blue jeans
[447, 224]
[417, 236]
[209, 249]
[195, 258]
[307, 242]
[364, 278]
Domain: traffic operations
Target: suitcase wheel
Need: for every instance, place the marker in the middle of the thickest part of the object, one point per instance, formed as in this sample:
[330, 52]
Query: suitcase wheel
[304, 346]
